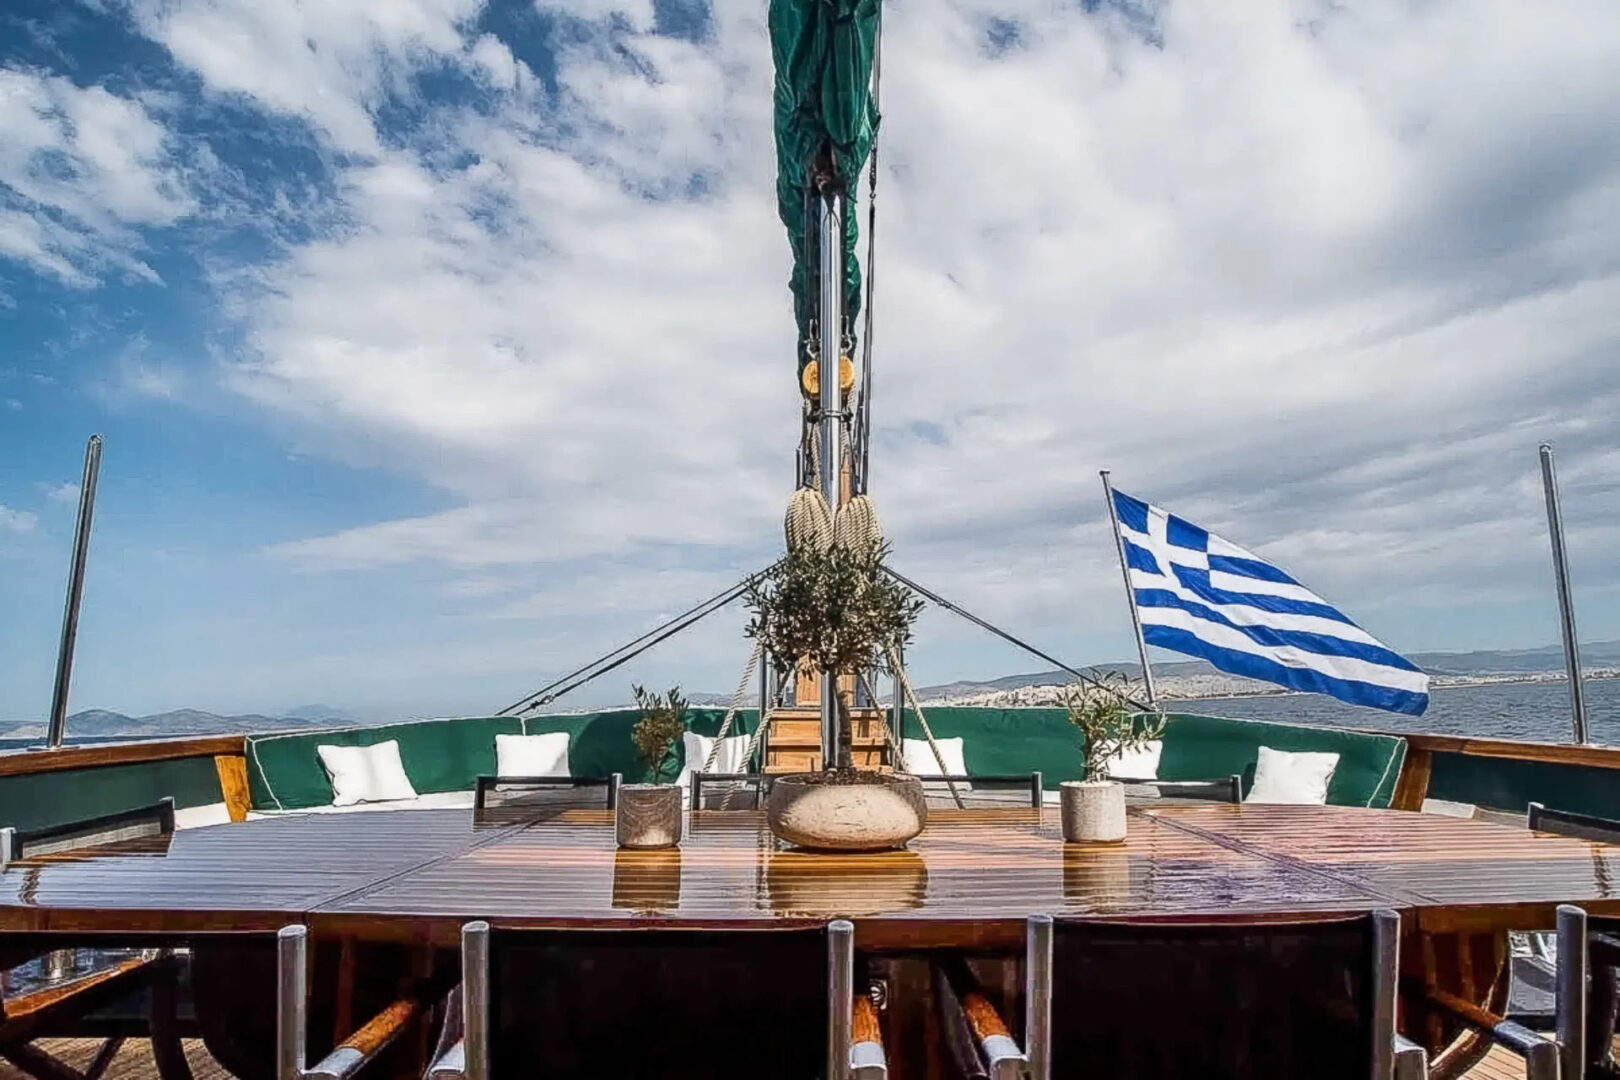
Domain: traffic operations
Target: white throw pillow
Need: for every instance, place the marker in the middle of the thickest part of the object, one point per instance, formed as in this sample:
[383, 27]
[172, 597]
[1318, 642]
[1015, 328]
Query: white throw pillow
[733, 756]
[365, 773]
[1281, 777]
[919, 759]
[532, 755]
[1140, 764]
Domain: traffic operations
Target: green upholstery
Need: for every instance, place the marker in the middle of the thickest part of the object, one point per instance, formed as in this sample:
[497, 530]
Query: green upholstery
[446, 755]
[284, 772]
[439, 755]
[1195, 748]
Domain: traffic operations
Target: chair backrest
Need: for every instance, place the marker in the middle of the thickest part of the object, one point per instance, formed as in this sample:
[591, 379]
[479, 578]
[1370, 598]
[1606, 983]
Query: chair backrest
[1156, 1001]
[1567, 823]
[1226, 789]
[666, 1003]
[156, 819]
[730, 791]
[547, 792]
[985, 789]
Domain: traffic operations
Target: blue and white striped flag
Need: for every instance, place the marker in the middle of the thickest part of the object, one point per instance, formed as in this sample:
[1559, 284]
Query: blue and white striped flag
[1201, 595]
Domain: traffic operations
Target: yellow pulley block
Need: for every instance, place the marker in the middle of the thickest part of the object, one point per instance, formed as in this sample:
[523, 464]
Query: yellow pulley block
[811, 380]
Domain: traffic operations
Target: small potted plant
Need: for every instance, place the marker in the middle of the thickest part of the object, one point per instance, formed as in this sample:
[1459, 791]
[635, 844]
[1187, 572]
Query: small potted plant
[1094, 808]
[649, 815]
[834, 606]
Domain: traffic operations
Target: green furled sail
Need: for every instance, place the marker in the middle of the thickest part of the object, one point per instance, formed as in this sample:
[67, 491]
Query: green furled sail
[823, 51]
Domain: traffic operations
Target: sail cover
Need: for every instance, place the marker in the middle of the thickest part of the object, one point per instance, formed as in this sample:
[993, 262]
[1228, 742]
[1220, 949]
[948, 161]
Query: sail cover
[823, 51]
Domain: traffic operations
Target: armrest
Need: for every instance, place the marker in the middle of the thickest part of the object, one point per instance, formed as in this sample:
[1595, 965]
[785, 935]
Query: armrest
[1411, 1060]
[1540, 1053]
[1002, 1058]
[452, 1064]
[867, 1060]
[345, 1060]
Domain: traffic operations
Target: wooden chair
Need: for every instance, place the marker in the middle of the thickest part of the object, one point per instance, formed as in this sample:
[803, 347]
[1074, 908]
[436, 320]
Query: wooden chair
[978, 1043]
[552, 792]
[56, 991]
[1212, 1001]
[672, 1004]
[292, 1020]
[1566, 1055]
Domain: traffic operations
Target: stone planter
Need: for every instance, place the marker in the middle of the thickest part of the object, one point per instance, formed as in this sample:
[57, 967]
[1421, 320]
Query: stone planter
[1093, 811]
[648, 816]
[847, 810]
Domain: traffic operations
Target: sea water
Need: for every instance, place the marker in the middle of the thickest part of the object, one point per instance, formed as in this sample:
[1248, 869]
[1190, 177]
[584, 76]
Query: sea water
[1537, 711]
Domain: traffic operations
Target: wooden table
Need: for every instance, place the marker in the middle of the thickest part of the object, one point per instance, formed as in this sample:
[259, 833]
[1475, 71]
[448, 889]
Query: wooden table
[969, 880]
[387, 892]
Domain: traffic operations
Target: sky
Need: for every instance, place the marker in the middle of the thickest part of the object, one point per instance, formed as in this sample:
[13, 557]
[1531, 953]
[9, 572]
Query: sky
[439, 345]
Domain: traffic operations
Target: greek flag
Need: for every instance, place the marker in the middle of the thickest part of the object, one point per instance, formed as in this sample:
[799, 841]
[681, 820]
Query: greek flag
[1201, 595]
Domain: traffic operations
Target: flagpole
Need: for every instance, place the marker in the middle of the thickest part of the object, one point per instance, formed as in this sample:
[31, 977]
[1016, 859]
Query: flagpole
[1130, 593]
[1566, 602]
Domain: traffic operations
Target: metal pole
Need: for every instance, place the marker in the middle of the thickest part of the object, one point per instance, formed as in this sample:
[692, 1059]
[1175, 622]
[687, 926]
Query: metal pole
[1566, 602]
[832, 326]
[70, 615]
[1130, 593]
[840, 995]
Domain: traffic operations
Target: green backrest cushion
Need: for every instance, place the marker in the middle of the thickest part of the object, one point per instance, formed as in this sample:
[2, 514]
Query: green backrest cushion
[1195, 748]
[285, 773]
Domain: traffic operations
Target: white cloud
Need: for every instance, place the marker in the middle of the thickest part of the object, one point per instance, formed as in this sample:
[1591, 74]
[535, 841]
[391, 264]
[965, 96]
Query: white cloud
[65, 492]
[329, 63]
[17, 521]
[1316, 277]
[81, 171]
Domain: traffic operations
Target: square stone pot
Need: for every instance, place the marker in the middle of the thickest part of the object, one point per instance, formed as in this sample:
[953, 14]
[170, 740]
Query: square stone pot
[648, 816]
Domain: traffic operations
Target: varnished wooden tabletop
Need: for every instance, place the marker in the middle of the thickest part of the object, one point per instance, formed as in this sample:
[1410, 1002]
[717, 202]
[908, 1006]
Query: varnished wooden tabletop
[969, 879]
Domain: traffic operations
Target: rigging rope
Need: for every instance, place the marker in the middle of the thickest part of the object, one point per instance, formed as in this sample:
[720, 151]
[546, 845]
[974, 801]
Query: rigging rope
[863, 425]
[595, 669]
[1026, 646]
[736, 703]
[928, 732]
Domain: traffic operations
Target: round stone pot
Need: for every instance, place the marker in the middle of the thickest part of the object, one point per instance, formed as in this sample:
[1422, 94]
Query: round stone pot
[847, 810]
[1093, 811]
[648, 816]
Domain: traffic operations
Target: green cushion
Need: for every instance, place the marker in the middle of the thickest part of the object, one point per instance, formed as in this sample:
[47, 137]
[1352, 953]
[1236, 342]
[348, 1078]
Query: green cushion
[1195, 748]
[448, 755]
[439, 755]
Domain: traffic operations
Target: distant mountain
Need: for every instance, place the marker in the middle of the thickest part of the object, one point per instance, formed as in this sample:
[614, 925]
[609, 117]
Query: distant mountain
[101, 723]
[1595, 655]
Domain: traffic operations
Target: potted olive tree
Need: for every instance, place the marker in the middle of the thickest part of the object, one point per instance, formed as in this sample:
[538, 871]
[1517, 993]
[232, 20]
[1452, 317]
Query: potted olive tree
[1093, 809]
[835, 606]
[649, 814]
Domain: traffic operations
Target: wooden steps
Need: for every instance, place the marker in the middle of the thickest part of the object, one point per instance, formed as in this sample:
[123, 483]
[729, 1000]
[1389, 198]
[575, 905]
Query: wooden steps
[795, 740]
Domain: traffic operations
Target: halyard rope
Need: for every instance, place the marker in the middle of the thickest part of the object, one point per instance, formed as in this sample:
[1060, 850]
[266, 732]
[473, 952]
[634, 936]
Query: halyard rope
[928, 733]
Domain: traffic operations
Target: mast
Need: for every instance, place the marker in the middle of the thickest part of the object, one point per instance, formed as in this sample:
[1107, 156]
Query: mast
[70, 614]
[831, 323]
[1566, 600]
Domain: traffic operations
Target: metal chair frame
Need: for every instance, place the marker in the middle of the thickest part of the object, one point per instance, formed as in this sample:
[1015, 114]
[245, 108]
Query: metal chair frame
[762, 780]
[1226, 789]
[1034, 780]
[1539, 818]
[485, 784]
[65, 1002]
[155, 819]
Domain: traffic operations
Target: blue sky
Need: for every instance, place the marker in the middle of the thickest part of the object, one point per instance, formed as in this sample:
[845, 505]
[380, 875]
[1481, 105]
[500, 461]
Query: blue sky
[441, 344]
